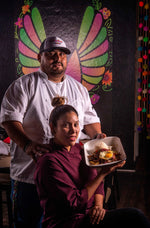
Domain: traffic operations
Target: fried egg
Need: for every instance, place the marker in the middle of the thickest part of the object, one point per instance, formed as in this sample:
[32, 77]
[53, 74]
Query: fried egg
[106, 154]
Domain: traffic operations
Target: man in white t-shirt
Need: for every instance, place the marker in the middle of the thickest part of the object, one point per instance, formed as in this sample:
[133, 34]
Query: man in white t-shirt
[25, 112]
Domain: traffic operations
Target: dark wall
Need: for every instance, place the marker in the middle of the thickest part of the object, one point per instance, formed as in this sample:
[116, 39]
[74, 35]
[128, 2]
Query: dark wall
[124, 74]
[122, 95]
[116, 108]
[7, 59]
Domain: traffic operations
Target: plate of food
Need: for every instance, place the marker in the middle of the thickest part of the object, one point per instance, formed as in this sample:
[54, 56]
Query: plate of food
[102, 152]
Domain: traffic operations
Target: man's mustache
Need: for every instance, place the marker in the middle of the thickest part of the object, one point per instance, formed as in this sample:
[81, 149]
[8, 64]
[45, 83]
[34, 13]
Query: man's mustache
[56, 62]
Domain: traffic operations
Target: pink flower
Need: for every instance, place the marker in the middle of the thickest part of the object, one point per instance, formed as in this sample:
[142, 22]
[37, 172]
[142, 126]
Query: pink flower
[19, 22]
[95, 98]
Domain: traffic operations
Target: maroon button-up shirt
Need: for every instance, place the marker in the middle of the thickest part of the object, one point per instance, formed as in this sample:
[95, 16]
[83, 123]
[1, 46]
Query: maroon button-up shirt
[61, 179]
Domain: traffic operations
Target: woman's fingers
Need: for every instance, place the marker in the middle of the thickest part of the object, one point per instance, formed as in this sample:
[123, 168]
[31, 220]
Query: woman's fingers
[101, 215]
[97, 215]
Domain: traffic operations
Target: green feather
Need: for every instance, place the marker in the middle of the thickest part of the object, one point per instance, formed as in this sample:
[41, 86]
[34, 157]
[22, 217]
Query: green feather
[92, 80]
[85, 26]
[38, 24]
[26, 40]
[28, 62]
[96, 62]
[99, 39]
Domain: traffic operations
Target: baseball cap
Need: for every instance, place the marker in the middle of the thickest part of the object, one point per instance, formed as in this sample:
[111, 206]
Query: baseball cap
[54, 42]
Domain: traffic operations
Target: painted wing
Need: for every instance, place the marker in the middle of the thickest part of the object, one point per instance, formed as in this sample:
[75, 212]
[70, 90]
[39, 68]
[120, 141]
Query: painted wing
[87, 63]
[31, 36]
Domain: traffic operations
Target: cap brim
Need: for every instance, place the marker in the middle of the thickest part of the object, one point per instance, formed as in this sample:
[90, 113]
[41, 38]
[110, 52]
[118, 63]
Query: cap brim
[66, 50]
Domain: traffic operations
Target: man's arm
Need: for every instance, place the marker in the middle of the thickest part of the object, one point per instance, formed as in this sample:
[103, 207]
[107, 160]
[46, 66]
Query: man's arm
[17, 134]
[94, 130]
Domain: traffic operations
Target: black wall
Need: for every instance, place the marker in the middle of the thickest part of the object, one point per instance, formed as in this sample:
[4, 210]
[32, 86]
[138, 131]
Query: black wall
[123, 92]
[7, 59]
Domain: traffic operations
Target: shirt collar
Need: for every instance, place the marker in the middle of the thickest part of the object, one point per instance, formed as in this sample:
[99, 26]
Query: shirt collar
[46, 77]
[56, 146]
[43, 74]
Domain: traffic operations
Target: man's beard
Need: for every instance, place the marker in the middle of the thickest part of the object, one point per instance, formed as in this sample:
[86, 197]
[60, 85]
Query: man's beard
[54, 71]
[57, 71]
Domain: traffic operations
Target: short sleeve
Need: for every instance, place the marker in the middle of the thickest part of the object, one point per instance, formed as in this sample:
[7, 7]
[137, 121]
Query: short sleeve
[100, 189]
[90, 115]
[14, 103]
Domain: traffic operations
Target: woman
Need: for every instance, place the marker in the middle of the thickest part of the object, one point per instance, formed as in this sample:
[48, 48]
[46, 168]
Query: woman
[71, 194]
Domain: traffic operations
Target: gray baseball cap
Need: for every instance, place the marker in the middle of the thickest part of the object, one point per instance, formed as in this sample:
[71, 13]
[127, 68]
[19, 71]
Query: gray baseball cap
[54, 42]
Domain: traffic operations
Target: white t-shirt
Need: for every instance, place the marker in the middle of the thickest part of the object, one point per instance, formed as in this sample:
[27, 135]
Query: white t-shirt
[28, 100]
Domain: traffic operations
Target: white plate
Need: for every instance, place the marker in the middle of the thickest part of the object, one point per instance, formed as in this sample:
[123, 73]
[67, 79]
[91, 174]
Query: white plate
[89, 148]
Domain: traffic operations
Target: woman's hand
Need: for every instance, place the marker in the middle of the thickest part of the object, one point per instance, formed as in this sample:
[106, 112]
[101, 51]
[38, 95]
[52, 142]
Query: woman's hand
[104, 171]
[97, 214]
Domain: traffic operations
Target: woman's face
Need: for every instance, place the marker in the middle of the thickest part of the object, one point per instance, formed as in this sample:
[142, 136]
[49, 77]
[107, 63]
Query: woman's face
[67, 130]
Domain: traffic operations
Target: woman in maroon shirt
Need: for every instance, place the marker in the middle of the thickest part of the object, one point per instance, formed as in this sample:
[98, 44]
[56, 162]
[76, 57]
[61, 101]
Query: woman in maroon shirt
[71, 193]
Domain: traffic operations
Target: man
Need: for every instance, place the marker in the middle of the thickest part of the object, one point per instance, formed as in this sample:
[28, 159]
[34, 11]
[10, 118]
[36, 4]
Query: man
[25, 112]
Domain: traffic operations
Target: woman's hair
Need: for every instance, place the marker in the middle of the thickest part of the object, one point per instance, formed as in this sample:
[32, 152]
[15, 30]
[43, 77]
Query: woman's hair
[60, 108]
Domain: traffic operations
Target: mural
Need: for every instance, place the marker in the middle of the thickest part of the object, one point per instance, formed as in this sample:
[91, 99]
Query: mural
[91, 60]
